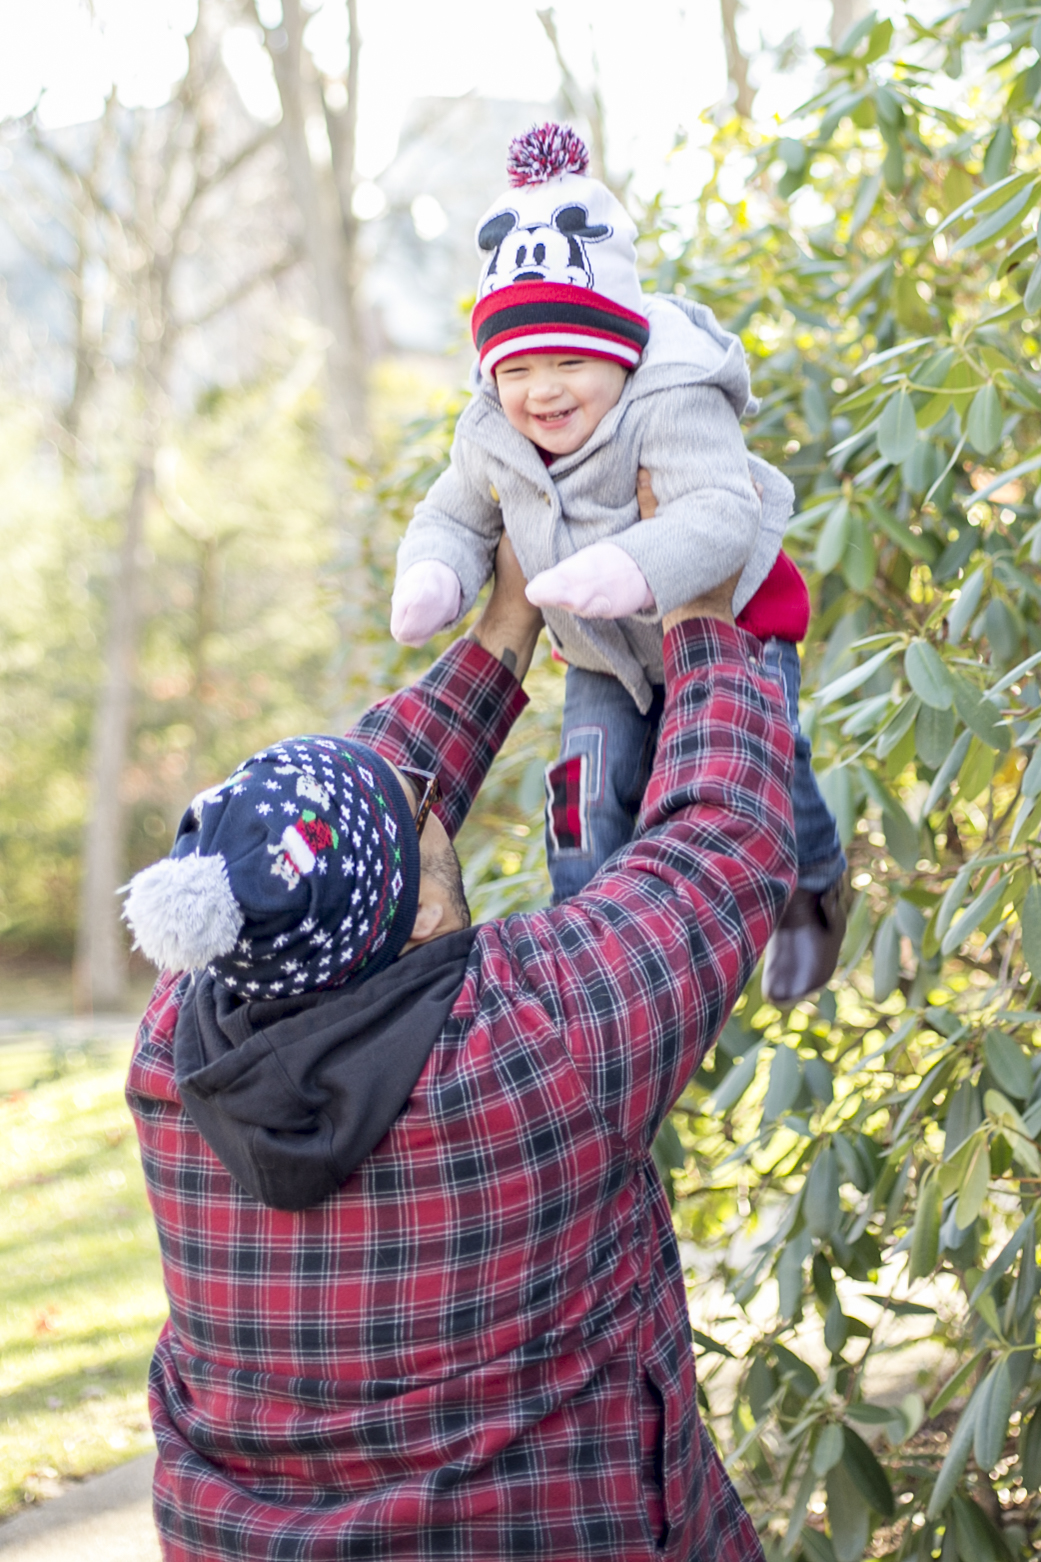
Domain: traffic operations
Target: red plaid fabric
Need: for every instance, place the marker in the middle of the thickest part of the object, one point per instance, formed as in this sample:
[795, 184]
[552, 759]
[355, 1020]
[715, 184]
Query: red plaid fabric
[566, 783]
[479, 1348]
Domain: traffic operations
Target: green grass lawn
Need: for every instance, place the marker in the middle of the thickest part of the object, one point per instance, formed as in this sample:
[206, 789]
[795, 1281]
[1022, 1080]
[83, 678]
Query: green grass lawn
[81, 1297]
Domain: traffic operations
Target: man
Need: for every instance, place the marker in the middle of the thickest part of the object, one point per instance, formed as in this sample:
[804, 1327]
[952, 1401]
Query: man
[464, 1333]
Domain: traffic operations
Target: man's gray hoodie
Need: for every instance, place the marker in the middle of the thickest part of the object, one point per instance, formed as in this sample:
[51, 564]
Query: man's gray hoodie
[678, 416]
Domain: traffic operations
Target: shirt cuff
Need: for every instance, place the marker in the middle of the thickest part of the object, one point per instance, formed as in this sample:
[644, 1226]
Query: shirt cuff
[696, 644]
[475, 679]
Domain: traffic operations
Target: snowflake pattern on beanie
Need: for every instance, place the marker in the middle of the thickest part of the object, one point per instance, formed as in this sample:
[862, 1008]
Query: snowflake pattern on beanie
[320, 865]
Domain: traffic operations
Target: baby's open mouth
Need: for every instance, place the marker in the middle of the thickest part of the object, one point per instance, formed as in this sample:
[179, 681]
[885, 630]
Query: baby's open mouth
[554, 417]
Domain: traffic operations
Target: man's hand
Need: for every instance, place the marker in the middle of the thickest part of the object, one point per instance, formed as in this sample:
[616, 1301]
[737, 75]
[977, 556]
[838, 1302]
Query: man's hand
[649, 504]
[510, 626]
[645, 495]
[713, 604]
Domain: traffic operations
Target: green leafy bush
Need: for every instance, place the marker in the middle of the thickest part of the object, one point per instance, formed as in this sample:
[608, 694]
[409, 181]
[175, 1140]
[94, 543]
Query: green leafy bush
[868, 1167]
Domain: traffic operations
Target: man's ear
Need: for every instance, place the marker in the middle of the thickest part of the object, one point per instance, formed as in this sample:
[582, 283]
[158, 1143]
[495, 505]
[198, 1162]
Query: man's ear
[429, 916]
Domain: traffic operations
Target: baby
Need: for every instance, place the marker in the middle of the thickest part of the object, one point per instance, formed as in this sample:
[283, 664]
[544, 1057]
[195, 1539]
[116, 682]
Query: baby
[582, 382]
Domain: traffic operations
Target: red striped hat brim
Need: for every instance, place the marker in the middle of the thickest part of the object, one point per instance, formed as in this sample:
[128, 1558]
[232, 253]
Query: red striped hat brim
[552, 317]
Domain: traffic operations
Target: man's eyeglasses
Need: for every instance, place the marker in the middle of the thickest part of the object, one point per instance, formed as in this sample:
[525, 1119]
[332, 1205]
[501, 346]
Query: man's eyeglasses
[428, 790]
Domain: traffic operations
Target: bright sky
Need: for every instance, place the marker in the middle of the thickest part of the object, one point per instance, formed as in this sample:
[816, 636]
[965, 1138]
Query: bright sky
[657, 74]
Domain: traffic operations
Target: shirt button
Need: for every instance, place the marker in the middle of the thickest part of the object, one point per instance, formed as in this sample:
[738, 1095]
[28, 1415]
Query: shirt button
[546, 499]
[494, 493]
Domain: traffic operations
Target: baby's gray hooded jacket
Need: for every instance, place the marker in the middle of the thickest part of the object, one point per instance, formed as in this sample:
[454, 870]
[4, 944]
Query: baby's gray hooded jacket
[678, 417]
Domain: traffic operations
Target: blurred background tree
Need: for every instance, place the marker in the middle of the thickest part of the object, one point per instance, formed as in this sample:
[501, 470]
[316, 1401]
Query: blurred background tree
[151, 227]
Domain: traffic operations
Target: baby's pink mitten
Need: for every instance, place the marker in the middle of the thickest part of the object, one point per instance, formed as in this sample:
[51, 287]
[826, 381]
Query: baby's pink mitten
[425, 599]
[600, 581]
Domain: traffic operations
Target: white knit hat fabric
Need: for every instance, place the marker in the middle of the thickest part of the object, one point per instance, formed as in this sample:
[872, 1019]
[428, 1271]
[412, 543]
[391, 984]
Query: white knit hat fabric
[559, 254]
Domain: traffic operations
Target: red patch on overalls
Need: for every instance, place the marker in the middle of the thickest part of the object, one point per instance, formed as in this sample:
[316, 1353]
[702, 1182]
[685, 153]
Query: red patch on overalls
[567, 791]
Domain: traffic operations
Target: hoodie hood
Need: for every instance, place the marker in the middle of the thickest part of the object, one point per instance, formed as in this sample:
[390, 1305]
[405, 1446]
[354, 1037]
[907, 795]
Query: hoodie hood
[688, 346]
[292, 1094]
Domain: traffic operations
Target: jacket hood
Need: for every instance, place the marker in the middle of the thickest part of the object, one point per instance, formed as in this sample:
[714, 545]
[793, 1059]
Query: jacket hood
[292, 1094]
[687, 346]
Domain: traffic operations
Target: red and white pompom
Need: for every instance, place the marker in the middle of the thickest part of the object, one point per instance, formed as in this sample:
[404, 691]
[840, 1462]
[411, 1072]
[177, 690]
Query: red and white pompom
[545, 152]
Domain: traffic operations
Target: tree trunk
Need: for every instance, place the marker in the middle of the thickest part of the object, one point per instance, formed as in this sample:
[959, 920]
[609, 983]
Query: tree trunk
[201, 696]
[99, 971]
[328, 230]
[737, 65]
[168, 162]
[844, 13]
[342, 129]
[586, 105]
[324, 193]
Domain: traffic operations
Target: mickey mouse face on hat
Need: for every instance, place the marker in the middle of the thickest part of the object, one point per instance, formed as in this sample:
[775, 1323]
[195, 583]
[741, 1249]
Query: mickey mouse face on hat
[540, 252]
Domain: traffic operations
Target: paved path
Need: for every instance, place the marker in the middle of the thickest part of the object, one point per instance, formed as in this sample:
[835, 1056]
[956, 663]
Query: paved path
[68, 1029]
[105, 1519]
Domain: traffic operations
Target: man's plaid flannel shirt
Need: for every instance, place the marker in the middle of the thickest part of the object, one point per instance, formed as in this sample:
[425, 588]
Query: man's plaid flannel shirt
[479, 1348]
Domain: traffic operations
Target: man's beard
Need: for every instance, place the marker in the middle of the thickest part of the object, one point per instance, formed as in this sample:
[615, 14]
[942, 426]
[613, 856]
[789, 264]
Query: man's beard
[446, 868]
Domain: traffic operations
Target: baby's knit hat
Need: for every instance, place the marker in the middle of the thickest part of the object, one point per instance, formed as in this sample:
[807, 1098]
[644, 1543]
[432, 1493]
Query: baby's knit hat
[560, 260]
[299, 872]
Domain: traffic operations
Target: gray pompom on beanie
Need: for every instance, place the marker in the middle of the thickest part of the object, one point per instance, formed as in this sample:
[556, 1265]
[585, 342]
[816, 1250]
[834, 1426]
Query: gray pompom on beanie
[299, 872]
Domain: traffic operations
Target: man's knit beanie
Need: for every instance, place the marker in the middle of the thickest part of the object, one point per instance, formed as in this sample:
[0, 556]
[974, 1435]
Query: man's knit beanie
[299, 872]
[559, 260]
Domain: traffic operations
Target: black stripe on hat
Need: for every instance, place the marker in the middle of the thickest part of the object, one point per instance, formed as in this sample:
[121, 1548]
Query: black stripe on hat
[517, 317]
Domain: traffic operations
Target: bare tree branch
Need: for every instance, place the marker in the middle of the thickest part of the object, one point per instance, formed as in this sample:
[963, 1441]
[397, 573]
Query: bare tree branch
[78, 177]
[582, 104]
[231, 165]
[87, 340]
[236, 294]
[188, 104]
[29, 239]
[323, 197]
[342, 130]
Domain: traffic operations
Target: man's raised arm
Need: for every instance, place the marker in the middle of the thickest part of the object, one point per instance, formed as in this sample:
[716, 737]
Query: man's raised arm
[455, 718]
[509, 627]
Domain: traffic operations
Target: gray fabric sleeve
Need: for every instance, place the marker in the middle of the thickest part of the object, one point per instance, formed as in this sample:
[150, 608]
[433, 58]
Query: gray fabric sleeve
[708, 512]
[458, 523]
[778, 501]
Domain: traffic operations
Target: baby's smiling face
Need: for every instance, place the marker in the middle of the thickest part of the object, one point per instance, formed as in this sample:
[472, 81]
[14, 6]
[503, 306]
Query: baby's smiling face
[557, 399]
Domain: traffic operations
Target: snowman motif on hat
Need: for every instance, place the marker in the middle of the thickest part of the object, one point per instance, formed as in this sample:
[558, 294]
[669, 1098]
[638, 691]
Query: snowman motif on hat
[559, 260]
[297, 873]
